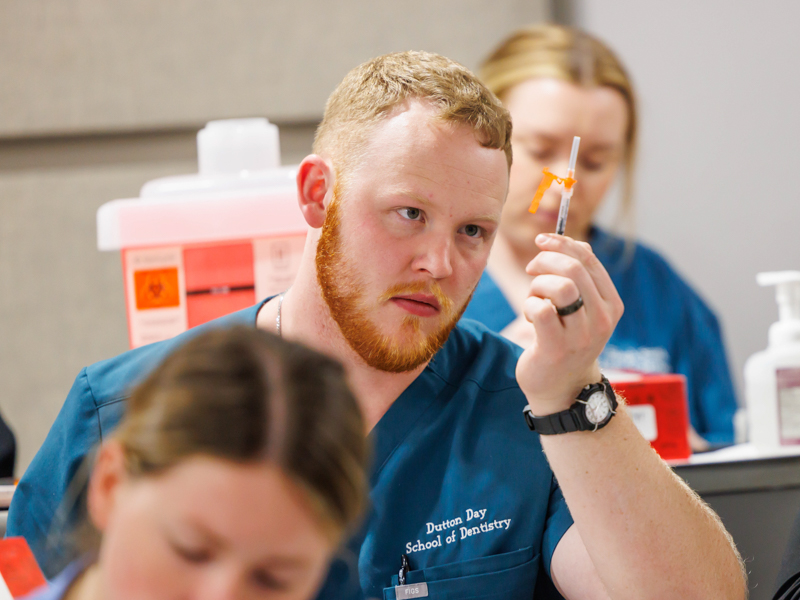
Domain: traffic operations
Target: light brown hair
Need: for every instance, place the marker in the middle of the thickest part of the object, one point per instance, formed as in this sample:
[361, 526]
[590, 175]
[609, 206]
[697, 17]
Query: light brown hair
[239, 394]
[246, 395]
[370, 91]
[571, 55]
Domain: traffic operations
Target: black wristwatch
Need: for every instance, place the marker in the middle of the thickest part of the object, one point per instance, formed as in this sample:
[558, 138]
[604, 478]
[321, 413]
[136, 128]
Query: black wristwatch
[595, 406]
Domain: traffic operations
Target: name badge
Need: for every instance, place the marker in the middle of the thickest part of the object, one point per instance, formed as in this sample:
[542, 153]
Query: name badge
[414, 590]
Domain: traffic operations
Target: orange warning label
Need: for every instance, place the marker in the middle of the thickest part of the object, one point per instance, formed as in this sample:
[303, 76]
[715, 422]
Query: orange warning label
[157, 288]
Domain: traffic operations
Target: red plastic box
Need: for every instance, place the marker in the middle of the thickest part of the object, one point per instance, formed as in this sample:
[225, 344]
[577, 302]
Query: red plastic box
[658, 405]
[19, 572]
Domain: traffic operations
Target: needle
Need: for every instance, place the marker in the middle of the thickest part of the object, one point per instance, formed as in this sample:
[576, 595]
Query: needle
[566, 195]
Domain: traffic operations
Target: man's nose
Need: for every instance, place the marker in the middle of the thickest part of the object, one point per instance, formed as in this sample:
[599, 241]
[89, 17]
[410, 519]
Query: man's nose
[436, 257]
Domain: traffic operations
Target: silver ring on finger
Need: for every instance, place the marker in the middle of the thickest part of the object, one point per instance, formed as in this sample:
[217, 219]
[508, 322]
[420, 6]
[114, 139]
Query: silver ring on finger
[570, 308]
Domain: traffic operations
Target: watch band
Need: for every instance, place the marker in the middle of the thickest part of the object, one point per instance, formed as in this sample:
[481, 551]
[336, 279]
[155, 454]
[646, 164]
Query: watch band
[573, 419]
[562, 422]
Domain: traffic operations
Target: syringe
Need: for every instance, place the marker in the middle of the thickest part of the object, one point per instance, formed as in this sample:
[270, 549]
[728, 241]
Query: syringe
[566, 195]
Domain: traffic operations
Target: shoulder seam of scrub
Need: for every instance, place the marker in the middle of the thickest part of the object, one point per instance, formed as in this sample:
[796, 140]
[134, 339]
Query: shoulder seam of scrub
[477, 384]
[85, 373]
[495, 391]
[103, 402]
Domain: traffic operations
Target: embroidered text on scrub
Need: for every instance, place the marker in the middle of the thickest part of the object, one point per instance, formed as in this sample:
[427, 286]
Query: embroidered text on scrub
[484, 528]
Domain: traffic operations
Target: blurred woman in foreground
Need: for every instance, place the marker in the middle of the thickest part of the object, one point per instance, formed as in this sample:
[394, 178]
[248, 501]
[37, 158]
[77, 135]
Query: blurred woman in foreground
[235, 473]
[558, 82]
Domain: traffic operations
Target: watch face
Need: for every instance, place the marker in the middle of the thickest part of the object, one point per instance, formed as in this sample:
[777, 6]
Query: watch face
[597, 408]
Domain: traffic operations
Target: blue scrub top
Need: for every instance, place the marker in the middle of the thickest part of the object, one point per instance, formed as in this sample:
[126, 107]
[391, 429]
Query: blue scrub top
[459, 482]
[666, 328]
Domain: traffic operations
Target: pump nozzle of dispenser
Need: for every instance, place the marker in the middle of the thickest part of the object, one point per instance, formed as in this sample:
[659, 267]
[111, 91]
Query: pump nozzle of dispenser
[787, 294]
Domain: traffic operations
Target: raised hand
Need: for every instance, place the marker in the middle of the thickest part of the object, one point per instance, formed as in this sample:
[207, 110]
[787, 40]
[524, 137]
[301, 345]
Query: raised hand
[562, 356]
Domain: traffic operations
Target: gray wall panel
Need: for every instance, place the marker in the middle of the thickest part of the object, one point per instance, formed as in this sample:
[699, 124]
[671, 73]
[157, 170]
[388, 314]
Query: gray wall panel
[61, 301]
[87, 65]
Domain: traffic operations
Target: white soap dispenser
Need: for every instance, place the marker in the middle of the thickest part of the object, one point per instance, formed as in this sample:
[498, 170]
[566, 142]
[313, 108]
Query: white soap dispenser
[772, 376]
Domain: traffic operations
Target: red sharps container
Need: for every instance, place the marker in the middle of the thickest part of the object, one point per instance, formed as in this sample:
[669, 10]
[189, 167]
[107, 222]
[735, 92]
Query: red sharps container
[197, 247]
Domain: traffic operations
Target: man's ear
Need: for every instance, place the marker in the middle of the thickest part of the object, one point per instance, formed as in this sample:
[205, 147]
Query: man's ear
[315, 180]
[108, 474]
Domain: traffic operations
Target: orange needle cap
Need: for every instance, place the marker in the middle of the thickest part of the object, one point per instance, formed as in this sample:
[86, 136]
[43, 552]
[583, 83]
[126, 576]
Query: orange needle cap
[547, 181]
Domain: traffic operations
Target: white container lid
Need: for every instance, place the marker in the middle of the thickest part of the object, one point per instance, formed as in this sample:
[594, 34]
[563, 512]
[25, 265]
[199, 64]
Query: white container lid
[240, 192]
[202, 185]
[143, 222]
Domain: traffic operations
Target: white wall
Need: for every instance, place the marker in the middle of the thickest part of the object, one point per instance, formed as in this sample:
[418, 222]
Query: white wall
[719, 85]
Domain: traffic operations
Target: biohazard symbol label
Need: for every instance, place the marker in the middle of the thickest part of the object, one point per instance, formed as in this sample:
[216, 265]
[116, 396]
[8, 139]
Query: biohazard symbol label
[157, 288]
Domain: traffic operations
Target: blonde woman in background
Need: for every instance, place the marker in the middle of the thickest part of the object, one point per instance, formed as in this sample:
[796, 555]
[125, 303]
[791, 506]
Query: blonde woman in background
[559, 82]
[235, 473]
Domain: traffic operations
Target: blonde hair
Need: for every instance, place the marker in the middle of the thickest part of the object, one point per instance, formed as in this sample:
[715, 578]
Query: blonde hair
[370, 91]
[559, 52]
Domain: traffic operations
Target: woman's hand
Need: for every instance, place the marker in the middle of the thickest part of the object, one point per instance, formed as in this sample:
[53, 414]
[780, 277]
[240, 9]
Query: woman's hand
[696, 442]
[561, 354]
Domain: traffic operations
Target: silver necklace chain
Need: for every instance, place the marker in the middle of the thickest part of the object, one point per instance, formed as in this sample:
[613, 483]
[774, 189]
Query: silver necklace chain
[278, 318]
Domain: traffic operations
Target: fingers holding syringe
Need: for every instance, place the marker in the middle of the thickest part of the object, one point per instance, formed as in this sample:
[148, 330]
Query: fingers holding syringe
[574, 260]
[556, 337]
[582, 252]
[568, 341]
[563, 357]
[564, 280]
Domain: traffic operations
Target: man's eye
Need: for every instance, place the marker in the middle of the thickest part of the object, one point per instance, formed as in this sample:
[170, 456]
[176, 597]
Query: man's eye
[472, 231]
[412, 214]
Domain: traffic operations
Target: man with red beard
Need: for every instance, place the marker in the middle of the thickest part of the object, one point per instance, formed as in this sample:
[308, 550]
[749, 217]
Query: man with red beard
[403, 195]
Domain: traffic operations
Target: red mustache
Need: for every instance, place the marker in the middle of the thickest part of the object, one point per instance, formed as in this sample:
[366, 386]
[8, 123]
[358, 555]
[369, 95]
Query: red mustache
[432, 289]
